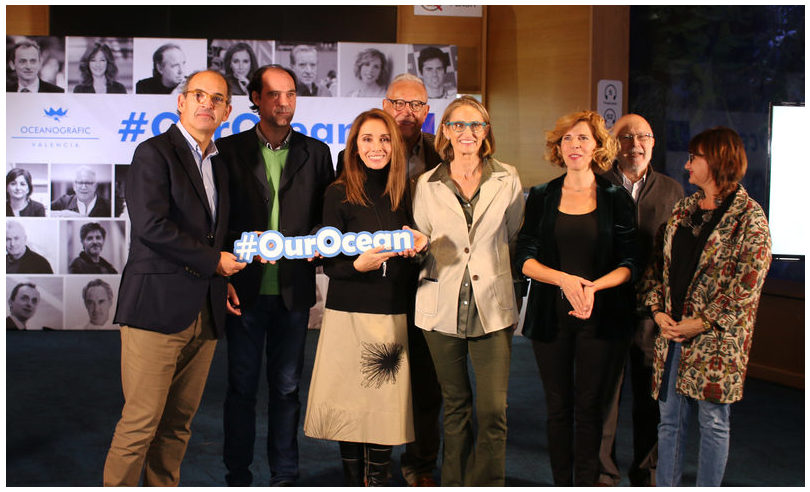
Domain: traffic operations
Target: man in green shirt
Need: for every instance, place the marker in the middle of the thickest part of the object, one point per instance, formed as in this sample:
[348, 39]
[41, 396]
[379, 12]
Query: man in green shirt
[277, 179]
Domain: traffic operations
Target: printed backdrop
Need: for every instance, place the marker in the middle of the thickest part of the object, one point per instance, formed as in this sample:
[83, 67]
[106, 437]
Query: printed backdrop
[56, 136]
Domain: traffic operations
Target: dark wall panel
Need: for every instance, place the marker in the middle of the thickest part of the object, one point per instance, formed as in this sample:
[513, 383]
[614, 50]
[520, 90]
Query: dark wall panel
[284, 23]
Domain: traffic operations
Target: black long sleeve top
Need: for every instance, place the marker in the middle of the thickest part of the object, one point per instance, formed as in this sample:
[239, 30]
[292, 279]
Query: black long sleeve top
[367, 292]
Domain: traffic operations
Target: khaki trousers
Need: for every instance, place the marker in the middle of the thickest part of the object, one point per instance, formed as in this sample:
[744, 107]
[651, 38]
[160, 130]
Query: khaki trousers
[162, 377]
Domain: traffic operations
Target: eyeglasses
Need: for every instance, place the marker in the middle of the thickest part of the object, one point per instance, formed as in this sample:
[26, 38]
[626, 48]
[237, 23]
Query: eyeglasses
[201, 96]
[642, 137]
[84, 183]
[692, 156]
[459, 126]
[399, 104]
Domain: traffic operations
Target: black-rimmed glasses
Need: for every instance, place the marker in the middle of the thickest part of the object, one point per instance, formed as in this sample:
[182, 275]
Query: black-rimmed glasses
[399, 104]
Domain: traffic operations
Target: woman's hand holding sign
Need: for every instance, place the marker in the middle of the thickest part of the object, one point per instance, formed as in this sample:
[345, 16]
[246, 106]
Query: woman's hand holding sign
[372, 259]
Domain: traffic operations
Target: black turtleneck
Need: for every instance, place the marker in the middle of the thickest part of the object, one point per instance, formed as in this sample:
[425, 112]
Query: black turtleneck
[369, 292]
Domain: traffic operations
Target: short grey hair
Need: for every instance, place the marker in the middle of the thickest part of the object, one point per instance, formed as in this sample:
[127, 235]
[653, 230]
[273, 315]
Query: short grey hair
[406, 77]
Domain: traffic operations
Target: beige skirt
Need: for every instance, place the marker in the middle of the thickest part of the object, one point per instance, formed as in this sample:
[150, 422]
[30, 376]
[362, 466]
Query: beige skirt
[361, 382]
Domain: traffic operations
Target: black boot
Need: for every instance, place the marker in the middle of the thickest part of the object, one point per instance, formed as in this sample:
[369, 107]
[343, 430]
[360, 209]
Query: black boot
[353, 463]
[378, 465]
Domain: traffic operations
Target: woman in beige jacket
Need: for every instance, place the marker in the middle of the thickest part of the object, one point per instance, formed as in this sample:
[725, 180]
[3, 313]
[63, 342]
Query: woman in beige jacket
[471, 207]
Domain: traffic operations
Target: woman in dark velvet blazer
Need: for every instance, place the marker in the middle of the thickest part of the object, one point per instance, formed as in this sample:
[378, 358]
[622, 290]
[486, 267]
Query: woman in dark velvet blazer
[578, 246]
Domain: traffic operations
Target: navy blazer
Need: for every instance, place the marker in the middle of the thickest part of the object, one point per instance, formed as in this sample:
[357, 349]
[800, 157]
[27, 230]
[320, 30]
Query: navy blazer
[616, 247]
[306, 174]
[174, 247]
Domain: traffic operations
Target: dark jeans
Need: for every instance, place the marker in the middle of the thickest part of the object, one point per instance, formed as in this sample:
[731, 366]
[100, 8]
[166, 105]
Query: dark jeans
[419, 458]
[266, 327]
[576, 359]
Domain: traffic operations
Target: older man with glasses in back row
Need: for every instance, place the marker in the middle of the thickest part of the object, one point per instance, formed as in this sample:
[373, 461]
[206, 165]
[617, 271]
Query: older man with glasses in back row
[654, 194]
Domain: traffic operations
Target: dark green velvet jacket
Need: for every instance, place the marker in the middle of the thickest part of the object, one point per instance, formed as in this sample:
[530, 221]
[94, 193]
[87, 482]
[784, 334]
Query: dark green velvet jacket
[617, 247]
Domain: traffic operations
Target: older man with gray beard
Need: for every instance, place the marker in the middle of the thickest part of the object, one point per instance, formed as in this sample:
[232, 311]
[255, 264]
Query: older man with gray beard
[654, 194]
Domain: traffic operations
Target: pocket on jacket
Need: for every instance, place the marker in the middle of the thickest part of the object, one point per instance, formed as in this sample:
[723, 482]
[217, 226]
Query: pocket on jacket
[504, 291]
[427, 296]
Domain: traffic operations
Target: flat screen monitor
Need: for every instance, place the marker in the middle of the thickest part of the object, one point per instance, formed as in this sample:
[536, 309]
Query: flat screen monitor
[788, 181]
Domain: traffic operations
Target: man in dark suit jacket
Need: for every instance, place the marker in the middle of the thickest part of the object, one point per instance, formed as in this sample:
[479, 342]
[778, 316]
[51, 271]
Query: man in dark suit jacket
[25, 64]
[171, 304]
[278, 178]
[22, 304]
[406, 101]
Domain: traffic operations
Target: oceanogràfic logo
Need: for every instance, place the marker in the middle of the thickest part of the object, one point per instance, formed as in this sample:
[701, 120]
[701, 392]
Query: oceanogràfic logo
[60, 130]
[55, 113]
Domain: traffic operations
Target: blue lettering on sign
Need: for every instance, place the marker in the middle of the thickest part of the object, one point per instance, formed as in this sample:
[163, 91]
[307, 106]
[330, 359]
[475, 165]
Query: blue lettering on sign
[430, 123]
[328, 133]
[159, 119]
[238, 124]
[328, 242]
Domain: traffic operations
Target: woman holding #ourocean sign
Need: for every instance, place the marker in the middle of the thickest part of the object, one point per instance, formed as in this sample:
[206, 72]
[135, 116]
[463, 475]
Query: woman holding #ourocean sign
[360, 393]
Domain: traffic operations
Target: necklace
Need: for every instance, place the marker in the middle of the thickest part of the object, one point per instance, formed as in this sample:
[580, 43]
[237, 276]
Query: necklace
[698, 220]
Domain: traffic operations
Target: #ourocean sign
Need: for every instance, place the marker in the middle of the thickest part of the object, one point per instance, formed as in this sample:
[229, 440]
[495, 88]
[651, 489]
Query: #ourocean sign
[328, 242]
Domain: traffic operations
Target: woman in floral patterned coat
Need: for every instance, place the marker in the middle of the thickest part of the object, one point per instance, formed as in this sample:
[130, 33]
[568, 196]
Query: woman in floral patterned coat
[703, 293]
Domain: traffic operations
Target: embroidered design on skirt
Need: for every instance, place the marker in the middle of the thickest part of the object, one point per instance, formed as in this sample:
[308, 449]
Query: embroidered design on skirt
[380, 363]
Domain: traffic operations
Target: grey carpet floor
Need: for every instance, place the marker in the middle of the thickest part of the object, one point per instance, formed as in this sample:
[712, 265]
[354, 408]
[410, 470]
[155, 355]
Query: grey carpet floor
[63, 399]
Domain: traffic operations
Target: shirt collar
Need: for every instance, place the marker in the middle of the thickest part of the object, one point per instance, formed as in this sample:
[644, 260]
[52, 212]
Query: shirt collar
[33, 86]
[85, 209]
[211, 151]
[633, 188]
[263, 140]
[489, 166]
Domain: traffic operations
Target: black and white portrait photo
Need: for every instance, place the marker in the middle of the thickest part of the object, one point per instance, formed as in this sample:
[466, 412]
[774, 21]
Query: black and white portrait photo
[161, 64]
[366, 69]
[27, 190]
[81, 190]
[33, 303]
[30, 246]
[238, 59]
[436, 66]
[99, 65]
[35, 64]
[94, 247]
[90, 302]
[315, 67]
[120, 190]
